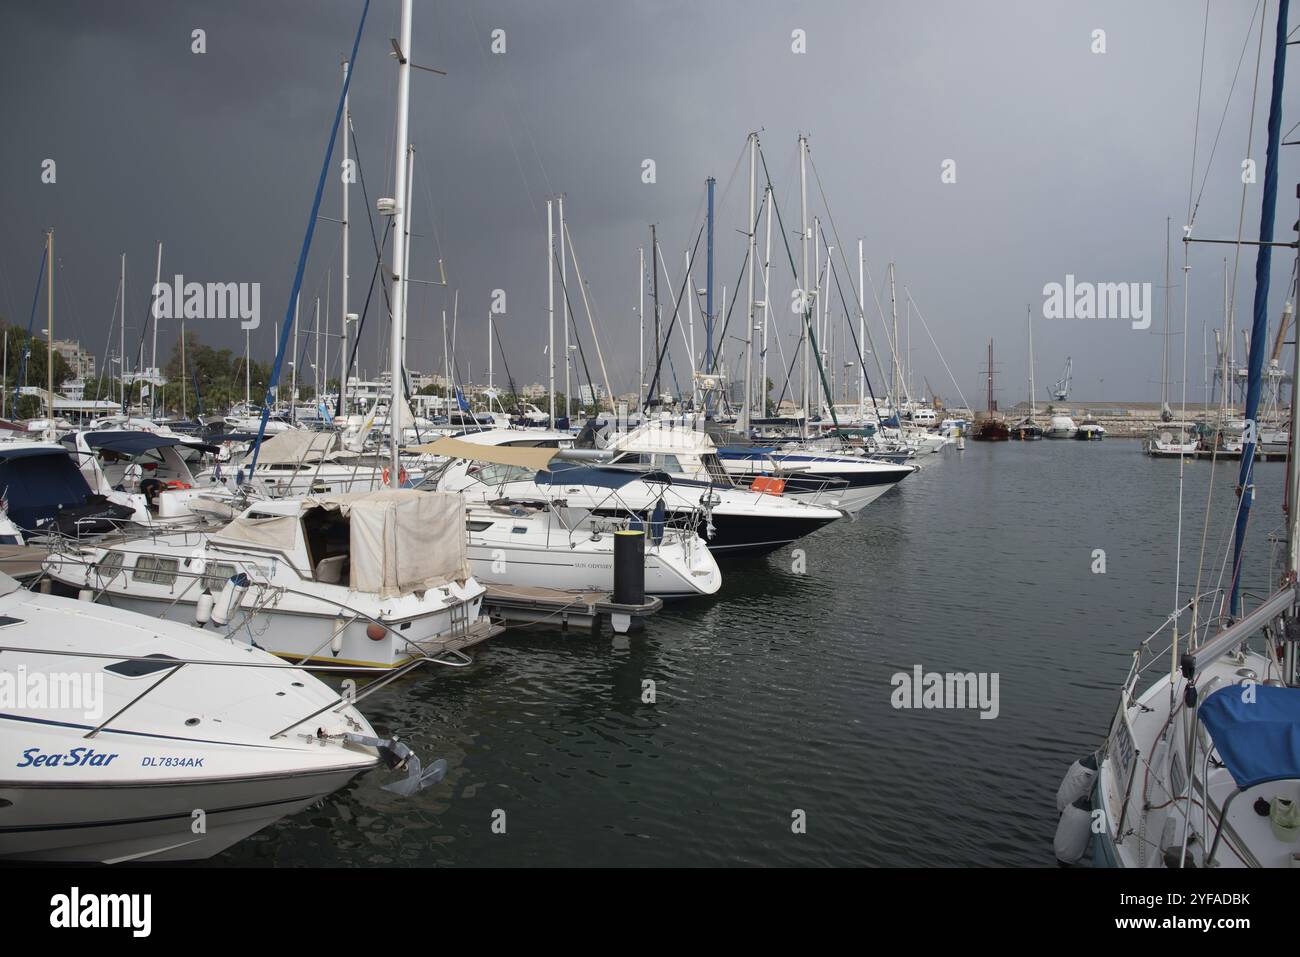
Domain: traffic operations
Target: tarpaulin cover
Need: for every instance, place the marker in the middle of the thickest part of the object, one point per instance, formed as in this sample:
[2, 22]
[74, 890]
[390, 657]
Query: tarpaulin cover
[1257, 734]
[137, 443]
[401, 540]
[297, 447]
[39, 482]
[279, 532]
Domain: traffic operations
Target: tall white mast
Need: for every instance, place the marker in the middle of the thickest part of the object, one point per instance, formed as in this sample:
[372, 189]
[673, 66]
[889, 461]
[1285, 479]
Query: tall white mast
[752, 228]
[893, 345]
[767, 296]
[640, 314]
[564, 310]
[397, 335]
[550, 308]
[248, 377]
[803, 242]
[49, 328]
[315, 377]
[406, 263]
[121, 335]
[343, 345]
[1029, 310]
[862, 335]
[153, 361]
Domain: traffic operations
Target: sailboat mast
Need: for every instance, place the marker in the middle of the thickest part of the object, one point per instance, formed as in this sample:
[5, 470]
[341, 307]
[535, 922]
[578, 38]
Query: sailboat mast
[1029, 314]
[153, 360]
[121, 338]
[343, 298]
[550, 308]
[1164, 344]
[862, 334]
[397, 335]
[1259, 328]
[564, 310]
[803, 279]
[753, 256]
[49, 328]
[640, 315]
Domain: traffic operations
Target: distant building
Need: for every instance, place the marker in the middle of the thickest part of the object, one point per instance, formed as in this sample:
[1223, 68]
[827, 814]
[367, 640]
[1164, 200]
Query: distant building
[591, 395]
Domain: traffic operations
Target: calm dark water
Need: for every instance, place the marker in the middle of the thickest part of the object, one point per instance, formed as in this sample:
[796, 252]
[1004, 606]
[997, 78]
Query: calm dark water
[775, 695]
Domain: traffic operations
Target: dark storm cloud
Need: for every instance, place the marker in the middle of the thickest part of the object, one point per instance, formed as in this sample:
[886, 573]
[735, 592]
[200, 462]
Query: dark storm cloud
[1067, 161]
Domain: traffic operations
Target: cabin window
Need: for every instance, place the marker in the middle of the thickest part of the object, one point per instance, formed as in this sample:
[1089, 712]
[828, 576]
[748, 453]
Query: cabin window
[668, 463]
[152, 570]
[217, 574]
[631, 458]
[109, 567]
[496, 474]
[474, 526]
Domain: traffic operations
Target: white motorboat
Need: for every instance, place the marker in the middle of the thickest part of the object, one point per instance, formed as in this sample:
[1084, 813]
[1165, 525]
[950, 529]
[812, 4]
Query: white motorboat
[156, 741]
[1060, 427]
[370, 580]
[734, 520]
[844, 482]
[1171, 440]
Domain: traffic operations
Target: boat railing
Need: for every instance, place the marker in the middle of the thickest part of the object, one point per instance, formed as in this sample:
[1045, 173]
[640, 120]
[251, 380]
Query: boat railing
[349, 697]
[1214, 619]
[269, 594]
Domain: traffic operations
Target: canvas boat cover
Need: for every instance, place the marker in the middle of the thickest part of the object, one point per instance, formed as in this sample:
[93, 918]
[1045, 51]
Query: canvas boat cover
[529, 457]
[401, 540]
[1258, 741]
[297, 447]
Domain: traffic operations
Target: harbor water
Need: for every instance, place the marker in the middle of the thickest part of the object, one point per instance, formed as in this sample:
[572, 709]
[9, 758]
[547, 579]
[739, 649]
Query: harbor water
[772, 738]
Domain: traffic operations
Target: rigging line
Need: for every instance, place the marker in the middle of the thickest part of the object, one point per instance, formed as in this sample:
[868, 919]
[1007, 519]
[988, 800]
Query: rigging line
[379, 256]
[506, 122]
[306, 242]
[510, 379]
[744, 263]
[835, 232]
[807, 310]
[564, 287]
[681, 330]
[926, 326]
[591, 320]
[1245, 45]
[21, 378]
[857, 346]
[654, 383]
[1232, 306]
[1196, 125]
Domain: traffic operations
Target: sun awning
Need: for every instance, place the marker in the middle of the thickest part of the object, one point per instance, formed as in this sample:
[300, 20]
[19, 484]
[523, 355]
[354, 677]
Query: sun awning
[1256, 732]
[529, 457]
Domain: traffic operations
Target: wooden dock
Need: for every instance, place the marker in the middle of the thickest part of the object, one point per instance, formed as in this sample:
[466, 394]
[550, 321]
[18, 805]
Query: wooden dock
[537, 605]
[22, 562]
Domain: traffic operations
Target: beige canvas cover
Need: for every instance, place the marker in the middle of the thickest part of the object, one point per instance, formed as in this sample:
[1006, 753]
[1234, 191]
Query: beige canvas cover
[402, 540]
[296, 447]
[279, 532]
[530, 457]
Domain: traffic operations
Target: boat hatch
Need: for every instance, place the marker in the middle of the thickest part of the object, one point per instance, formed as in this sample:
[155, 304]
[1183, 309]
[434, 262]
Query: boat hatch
[139, 668]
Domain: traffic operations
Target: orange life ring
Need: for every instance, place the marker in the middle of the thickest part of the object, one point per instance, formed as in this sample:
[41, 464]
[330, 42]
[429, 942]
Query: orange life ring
[401, 476]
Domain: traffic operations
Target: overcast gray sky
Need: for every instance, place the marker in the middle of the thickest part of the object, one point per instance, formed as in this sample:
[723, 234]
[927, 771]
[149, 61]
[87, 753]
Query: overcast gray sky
[1067, 161]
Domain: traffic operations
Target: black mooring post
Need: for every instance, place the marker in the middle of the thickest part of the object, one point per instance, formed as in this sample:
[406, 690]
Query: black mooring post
[629, 567]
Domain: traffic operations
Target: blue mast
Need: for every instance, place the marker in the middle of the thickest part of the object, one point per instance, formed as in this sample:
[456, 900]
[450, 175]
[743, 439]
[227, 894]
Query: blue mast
[1259, 326]
[708, 303]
